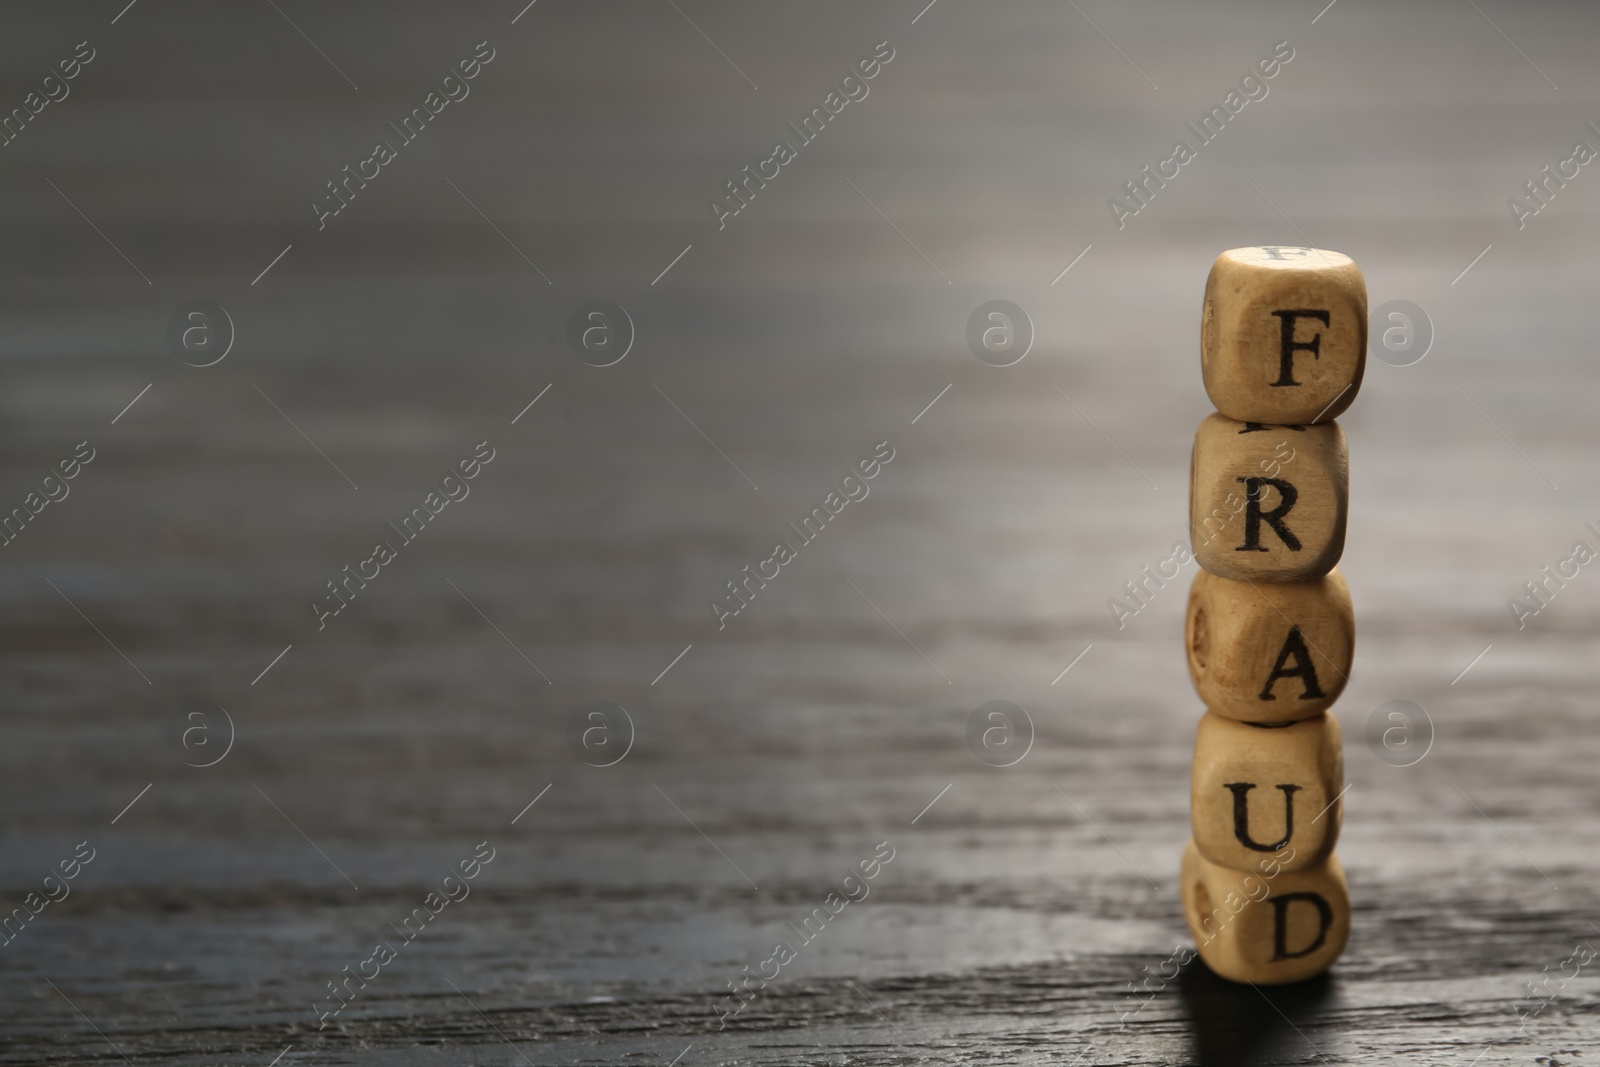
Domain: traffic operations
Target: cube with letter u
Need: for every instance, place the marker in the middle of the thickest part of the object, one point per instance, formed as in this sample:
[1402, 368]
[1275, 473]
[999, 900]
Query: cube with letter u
[1262, 790]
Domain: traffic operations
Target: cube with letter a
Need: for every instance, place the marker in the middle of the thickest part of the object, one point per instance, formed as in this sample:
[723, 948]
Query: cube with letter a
[1269, 652]
[1266, 925]
[1283, 336]
[1260, 789]
[1268, 503]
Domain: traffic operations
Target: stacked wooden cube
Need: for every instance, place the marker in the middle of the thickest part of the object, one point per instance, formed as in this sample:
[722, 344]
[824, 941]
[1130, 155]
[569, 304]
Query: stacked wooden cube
[1269, 629]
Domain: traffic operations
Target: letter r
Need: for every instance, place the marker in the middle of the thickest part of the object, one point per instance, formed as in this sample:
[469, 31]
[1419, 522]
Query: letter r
[1254, 516]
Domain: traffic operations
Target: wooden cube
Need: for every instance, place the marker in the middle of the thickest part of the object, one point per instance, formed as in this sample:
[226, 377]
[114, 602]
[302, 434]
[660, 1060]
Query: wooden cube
[1266, 925]
[1268, 503]
[1283, 337]
[1269, 652]
[1258, 790]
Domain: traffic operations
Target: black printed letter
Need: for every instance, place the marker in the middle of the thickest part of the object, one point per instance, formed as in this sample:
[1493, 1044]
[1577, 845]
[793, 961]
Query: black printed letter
[1280, 926]
[1294, 645]
[1289, 346]
[1254, 516]
[1241, 815]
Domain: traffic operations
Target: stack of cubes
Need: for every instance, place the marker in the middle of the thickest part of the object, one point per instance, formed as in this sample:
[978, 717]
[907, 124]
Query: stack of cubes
[1269, 628]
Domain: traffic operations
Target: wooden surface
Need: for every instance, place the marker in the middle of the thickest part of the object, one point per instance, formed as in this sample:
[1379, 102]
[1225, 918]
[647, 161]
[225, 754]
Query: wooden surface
[830, 714]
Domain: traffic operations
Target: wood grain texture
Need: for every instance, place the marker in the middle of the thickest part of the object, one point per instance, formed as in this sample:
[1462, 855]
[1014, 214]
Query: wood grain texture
[1266, 924]
[1283, 334]
[1269, 651]
[823, 719]
[1268, 503]
[1258, 789]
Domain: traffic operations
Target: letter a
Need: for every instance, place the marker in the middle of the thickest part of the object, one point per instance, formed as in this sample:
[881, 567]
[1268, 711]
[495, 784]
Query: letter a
[1294, 645]
[1121, 212]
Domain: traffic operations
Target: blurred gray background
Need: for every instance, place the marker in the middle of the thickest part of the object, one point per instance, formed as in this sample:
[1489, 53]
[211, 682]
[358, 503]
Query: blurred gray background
[769, 356]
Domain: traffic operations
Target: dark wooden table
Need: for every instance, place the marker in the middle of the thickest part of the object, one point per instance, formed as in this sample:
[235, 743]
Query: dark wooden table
[764, 759]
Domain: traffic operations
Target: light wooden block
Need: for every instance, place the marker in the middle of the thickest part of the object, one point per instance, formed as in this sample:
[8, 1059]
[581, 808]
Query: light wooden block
[1266, 925]
[1258, 790]
[1268, 503]
[1269, 652]
[1283, 337]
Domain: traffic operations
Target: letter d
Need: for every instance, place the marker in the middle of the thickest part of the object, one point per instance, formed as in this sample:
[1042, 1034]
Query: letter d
[1280, 927]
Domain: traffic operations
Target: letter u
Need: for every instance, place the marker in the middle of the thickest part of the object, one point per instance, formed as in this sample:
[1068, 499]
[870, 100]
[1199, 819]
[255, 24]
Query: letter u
[1241, 815]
